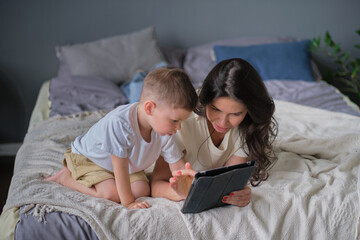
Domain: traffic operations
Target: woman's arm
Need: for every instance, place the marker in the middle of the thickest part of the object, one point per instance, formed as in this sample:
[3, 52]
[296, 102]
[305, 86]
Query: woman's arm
[233, 160]
[178, 165]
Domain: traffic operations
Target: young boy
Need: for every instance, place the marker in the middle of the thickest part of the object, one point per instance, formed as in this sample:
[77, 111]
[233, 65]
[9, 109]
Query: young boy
[109, 160]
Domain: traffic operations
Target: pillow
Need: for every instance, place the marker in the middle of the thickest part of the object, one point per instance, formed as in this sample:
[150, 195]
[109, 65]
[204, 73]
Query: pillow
[132, 89]
[115, 58]
[284, 61]
[174, 56]
[198, 60]
[74, 94]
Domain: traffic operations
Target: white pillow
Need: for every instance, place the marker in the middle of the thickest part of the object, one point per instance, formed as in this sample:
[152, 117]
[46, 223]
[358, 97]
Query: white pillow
[116, 58]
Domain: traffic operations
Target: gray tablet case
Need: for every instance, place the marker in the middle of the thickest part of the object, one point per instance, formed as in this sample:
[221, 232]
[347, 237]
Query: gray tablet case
[209, 187]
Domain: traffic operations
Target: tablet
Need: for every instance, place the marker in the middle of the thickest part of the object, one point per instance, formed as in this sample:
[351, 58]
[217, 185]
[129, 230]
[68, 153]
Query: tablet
[209, 187]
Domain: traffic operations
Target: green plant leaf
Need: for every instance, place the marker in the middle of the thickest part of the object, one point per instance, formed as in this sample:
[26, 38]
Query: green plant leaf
[313, 44]
[338, 62]
[353, 65]
[357, 45]
[336, 48]
[344, 56]
[358, 31]
[350, 90]
[354, 72]
[345, 81]
[328, 40]
[316, 41]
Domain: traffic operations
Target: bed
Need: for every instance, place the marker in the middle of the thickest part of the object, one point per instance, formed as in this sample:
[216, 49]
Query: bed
[313, 189]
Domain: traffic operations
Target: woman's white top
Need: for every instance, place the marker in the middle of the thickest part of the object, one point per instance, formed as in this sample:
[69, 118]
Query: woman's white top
[197, 147]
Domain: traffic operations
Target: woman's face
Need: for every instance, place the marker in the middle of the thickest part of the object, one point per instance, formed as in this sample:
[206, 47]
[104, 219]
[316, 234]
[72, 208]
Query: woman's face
[225, 113]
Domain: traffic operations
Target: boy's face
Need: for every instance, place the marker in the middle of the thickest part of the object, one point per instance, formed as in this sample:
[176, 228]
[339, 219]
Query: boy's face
[166, 120]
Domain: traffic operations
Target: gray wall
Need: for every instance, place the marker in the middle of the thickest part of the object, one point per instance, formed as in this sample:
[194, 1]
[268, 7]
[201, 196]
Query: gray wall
[29, 31]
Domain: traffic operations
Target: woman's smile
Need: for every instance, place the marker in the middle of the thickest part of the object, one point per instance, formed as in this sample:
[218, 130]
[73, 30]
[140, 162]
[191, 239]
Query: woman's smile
[220, 129]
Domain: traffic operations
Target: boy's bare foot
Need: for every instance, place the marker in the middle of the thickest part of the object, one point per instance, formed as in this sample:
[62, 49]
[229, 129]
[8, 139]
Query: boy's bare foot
[60, 176]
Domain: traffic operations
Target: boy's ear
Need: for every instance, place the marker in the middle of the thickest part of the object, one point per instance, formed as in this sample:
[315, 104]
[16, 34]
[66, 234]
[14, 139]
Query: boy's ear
[149, 107]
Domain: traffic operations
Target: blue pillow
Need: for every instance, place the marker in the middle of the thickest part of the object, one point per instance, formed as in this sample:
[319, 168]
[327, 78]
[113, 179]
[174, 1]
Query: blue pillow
[282, 61]
[132, 88]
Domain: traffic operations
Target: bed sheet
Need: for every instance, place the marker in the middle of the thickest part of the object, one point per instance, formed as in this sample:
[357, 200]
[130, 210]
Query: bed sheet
[42, 106]
[305, 196]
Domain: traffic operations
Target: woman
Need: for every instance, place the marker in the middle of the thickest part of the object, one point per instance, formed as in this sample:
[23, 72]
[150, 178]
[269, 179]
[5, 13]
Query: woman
[232, 124]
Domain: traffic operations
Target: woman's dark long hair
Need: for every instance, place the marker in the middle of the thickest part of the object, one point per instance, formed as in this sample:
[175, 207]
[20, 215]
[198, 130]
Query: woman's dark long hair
[237, 79]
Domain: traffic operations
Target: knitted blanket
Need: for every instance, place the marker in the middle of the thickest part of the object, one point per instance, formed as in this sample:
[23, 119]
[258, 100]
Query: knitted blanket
[312, 192]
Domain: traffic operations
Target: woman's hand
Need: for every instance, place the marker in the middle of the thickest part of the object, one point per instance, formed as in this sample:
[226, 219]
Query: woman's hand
[242, 197]
[239, 198]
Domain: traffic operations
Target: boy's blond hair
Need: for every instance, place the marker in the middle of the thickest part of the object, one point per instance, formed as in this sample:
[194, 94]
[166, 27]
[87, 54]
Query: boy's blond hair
[169, 85]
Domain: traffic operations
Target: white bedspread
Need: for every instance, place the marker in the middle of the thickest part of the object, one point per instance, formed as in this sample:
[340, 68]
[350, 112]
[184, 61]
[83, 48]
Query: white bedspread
[312, 192]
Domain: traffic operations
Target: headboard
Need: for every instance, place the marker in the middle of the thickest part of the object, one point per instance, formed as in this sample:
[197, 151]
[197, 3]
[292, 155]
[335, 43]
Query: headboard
[30, 30]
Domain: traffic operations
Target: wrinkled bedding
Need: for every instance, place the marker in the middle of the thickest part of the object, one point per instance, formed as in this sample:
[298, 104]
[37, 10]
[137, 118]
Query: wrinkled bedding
[312, 192]
[70, 95]
[313, 94]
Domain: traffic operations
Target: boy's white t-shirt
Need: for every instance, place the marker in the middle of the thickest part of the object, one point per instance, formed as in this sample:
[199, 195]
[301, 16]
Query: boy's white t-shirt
[118, 133]
[194, 141]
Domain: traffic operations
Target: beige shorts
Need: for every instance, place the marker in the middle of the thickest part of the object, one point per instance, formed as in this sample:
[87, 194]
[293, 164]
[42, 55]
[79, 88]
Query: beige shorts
[86, 172]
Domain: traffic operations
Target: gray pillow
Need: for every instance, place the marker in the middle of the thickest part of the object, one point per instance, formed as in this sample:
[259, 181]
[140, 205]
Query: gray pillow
[75, 94]
[116, 58]
[174, 56]
[199, 61]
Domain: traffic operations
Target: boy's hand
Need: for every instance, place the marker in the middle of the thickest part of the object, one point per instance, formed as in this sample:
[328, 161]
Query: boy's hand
[181, 180]
[137, 204]
[187, 171]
